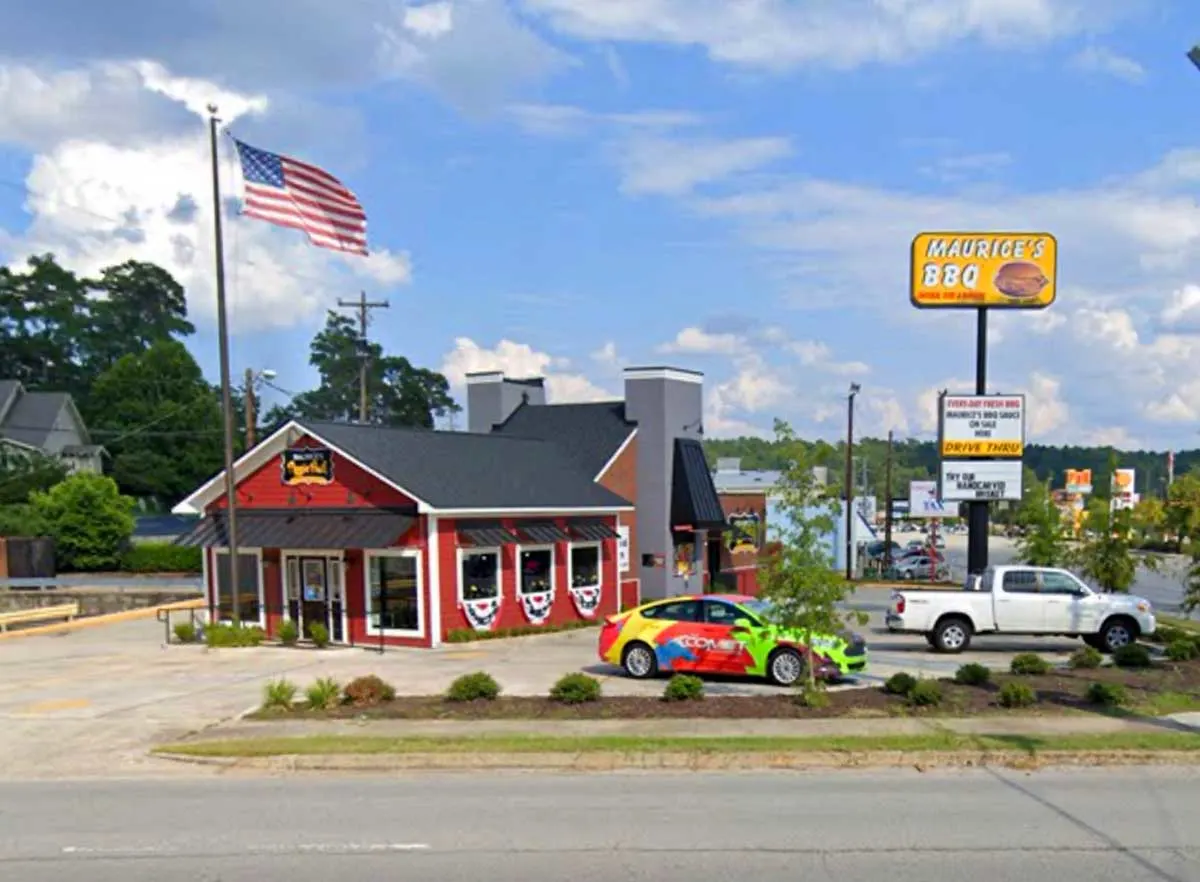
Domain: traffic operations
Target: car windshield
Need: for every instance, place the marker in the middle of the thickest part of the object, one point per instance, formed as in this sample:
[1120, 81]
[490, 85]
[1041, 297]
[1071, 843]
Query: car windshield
[760, 608]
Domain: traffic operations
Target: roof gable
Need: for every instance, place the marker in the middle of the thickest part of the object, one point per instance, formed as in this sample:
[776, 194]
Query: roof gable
[33, 416]
[588, 434]
[471, 471]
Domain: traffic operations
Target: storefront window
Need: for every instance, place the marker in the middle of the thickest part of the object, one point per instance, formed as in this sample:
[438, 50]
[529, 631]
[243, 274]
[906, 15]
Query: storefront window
[248, 583]
[480, 577]
[537, 571]
[394, 598]
[585, 566]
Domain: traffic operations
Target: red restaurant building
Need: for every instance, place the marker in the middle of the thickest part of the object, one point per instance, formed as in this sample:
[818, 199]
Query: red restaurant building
[539, 514]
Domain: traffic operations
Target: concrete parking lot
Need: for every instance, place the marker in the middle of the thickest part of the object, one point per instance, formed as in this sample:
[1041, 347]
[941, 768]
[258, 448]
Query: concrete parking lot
[92, 701]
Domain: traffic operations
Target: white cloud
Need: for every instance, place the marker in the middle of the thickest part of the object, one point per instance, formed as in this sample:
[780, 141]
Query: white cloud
[780, 35]
[1183, 306]
[430, 20]
[673, 167]
[819, 355]
[1097, 59]
[696, 341]
[144, 194]
[520, 360]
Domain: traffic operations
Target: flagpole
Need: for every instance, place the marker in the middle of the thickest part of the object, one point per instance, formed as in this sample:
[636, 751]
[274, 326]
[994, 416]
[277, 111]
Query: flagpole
[226, 385]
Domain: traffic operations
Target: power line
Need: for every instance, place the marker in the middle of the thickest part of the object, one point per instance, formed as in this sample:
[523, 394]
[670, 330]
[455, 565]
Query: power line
[363, 307]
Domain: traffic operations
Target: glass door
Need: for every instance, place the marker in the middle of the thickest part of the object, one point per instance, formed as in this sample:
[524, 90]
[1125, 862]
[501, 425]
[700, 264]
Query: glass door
[314, 593]
[337, 601]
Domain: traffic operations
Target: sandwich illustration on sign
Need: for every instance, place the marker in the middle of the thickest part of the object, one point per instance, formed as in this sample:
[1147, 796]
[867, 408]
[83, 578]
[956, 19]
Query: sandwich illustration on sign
[1020, 280]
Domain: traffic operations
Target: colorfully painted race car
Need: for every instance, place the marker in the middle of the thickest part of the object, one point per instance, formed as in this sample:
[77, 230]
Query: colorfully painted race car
[720, 634]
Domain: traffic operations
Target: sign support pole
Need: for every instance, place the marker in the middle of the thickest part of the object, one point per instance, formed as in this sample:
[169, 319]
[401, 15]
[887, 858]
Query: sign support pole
[977, 512]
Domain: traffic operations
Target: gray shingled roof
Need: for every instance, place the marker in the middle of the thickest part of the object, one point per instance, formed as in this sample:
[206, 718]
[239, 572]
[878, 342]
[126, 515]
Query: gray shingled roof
[468, 470]
[587, 433]
[32, 418]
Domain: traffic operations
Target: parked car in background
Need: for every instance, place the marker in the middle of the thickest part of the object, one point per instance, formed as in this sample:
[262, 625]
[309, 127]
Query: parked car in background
[721, 634]
[918, 567]
[1021, 600]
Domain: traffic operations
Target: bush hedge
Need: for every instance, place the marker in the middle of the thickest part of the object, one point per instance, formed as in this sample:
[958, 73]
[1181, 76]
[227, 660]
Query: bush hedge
[470, 635]
[575, 688]
[229, 635]
[899, 684]
[1182, 650]
[160, 557]
[1029, 664]
[279, 695]
[925, 693]
[1132, 655]
[324, 694]
[973, 674]
[1108, 694]
[684, 687]
[1086, 657]
[185, 632]
[479, 686]
[368, 691]
[1015, 694]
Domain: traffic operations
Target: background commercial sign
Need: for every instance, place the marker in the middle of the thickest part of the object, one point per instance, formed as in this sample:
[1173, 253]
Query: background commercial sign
[924, 502]
[981, 480]
[1123, 495]
[1079, 481]
[964, 270]
[983, 426]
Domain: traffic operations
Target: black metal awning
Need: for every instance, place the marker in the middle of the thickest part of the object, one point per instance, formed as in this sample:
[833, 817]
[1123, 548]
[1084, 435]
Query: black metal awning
[303, 528]
[543, 533]
[694, 500]
[591, 530]
[484, 534]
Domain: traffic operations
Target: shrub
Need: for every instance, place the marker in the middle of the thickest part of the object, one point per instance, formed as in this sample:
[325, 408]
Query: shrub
[925, 693]
[470, 635]
[973, 674]
[1086, 657]
[479, 686]
[185, 632]
[88, 518]
[319, 635]
[1107, 694]
[899, 684]
[279, 695]
[684, 687]
[289, 633]
[223, 634]
[1182, 650]
[1132, 655]
[324, 694]
[368, 691]
[1029, 664]
[160, 557]
[1015, 694]
[575, 689]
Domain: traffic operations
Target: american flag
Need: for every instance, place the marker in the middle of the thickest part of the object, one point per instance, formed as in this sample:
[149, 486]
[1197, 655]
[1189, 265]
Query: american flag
[291, 193]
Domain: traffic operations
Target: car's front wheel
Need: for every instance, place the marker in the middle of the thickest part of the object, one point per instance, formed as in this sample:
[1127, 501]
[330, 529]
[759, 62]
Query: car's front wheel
[785, 667]
[639, 662]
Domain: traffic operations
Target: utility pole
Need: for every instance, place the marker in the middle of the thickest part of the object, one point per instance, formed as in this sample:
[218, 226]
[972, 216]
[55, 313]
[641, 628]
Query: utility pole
[887, 512]
[363, 307]
[854, 390]
[251, 416]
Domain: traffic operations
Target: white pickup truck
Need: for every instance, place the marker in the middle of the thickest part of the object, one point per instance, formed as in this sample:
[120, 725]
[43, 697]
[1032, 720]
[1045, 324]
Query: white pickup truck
[1021, 600]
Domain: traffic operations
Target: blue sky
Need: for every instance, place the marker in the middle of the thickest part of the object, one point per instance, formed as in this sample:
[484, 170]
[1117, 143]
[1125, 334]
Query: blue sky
[567, 187]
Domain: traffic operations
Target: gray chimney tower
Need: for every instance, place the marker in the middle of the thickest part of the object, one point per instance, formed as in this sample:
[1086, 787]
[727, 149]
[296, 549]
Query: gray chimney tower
[492, 398]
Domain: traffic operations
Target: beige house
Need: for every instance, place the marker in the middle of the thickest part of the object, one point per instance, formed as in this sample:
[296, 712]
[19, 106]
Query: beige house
[46, 423]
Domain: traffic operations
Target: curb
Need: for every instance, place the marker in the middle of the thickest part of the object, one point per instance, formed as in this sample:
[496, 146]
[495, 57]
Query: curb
[686, 761]
[129, 615]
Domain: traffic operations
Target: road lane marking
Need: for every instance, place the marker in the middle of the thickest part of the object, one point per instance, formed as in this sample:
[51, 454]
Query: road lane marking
[301, 847]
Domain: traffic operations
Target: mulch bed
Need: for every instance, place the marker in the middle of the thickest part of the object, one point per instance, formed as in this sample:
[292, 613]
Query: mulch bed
[1059, 692]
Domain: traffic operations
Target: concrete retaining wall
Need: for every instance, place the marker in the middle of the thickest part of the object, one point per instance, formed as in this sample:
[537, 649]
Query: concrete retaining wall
[94, 601]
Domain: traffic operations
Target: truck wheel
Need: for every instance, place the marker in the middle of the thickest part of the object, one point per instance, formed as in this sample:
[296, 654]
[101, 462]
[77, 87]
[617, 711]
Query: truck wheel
[1117, 632]
[952, 635]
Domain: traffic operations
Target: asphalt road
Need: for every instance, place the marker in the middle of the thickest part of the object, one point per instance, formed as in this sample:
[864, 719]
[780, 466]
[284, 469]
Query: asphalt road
[1070, 826]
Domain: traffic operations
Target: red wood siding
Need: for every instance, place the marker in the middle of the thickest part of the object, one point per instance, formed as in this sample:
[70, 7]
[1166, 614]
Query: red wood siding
[352, 487]
[621, 478]
[512, 614]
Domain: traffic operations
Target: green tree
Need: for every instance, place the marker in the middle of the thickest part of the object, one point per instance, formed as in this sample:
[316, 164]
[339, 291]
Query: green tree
[399, 394]
[23, 473]
[1148, 517]
[160, 420]
[133, 306]
[1043, 543]
[1106, 556]
[43, 325]
[1181, 517]
[89, 520]
[799, 580]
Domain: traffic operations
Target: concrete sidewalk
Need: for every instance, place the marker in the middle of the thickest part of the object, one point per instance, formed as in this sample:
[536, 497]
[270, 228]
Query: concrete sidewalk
[1081, 724]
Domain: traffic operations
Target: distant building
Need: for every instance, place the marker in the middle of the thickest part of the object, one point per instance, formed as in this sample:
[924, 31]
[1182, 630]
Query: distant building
[47, 423]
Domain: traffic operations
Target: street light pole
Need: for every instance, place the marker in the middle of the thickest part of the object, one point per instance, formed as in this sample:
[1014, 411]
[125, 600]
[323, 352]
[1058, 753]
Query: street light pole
[854, 390]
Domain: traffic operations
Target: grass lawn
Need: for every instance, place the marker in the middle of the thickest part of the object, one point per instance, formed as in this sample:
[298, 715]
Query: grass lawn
[327, 745]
